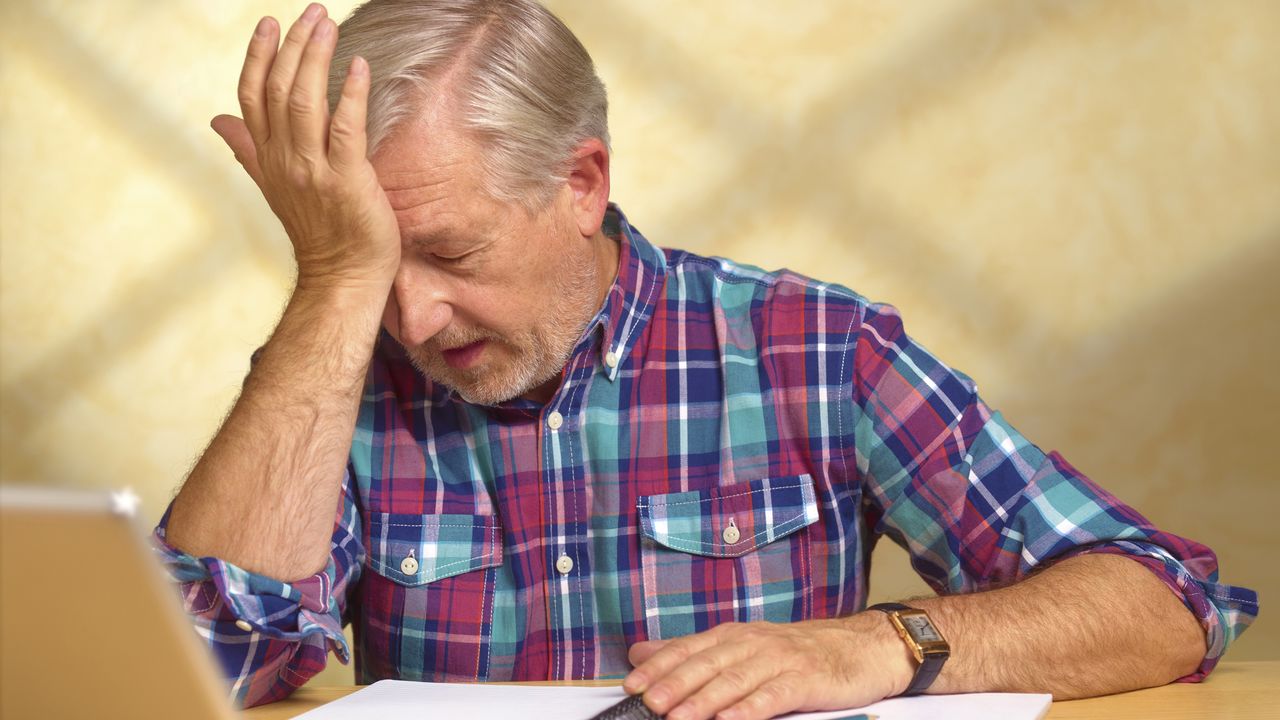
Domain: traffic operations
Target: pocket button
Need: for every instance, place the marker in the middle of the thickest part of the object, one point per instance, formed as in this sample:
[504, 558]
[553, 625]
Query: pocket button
[409, 566]
[731, 534]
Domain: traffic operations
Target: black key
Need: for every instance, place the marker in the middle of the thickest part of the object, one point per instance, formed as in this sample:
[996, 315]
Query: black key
[632, 708]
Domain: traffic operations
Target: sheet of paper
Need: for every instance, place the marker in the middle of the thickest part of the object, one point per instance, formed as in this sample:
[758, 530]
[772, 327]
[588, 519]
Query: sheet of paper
[396, 699]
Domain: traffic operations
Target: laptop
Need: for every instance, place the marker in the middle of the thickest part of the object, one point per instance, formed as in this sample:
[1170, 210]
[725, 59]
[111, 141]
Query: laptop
[90, 627]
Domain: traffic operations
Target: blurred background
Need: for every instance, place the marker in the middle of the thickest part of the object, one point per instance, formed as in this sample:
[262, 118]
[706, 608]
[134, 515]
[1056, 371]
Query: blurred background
[1076, 203]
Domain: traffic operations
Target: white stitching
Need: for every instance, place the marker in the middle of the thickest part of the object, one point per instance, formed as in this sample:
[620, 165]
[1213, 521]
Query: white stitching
[297, 679]
[427, 525]
[840, 406]
[785, 528]
[799, 482]
[582, 384]
[488, 626]
[382, 568]
[653, 284]
[781, 527]
[844, 451]
[202, 593]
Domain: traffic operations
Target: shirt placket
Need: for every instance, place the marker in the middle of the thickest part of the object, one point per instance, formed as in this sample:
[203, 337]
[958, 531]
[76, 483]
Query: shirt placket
[571, 606]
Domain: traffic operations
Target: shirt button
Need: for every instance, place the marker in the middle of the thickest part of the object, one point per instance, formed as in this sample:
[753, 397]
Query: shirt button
[564, 565]
[731, 534]
[244, 625]
[611, 359]
[409, 566]
[555, 420]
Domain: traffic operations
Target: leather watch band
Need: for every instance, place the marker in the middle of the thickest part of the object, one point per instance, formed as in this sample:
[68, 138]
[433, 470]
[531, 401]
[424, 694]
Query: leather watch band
[931, 664]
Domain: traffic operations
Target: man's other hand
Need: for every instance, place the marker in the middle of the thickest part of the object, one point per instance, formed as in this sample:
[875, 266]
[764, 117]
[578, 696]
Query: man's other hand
[745, 671]
[311, 168]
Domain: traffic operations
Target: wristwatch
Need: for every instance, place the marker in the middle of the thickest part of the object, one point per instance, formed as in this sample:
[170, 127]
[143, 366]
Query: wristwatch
[927, 645]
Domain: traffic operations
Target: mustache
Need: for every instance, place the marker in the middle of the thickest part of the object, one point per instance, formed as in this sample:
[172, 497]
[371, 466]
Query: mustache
[453, 341]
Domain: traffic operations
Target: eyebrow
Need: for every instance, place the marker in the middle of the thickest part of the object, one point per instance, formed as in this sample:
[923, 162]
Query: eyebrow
[430, 242]
[428, 239]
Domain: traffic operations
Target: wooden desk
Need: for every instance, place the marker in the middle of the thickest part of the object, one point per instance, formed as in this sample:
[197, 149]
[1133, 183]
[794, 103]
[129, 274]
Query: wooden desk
[1235, 691]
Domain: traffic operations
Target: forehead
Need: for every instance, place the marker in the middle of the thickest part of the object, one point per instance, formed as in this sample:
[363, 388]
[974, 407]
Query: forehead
[431, 172]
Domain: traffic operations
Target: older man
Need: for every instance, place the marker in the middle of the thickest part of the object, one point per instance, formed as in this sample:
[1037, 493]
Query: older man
[572, 454]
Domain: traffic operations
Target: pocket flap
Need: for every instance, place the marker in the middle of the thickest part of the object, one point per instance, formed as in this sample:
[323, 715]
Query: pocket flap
[732, 520]
[418, 549]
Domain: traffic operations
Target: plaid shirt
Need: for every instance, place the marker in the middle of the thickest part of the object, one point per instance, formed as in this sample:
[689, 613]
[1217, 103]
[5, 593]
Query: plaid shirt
[727, 444]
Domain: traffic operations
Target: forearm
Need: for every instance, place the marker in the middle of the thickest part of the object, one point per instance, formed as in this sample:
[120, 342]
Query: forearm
[1090, 625]
[264, 494]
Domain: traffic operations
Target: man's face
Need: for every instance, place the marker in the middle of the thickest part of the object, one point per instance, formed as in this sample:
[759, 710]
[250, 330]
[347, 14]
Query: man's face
[508, 291]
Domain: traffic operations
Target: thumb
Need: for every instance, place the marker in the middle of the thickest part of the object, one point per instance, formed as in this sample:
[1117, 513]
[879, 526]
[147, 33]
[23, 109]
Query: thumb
[236, 135]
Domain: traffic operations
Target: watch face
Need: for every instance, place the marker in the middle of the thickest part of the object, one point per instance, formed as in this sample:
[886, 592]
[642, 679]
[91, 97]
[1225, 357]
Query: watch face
[920, 628]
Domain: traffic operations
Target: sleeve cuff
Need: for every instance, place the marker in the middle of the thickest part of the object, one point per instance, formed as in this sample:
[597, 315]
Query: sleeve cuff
[234, 600]
[1214, 605]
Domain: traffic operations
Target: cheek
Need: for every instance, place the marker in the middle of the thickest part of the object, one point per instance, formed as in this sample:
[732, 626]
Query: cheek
[507, 294]
[502, 307]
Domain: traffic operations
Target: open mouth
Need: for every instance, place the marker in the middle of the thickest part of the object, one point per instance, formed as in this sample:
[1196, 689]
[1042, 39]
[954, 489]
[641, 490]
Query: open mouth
[463, 357]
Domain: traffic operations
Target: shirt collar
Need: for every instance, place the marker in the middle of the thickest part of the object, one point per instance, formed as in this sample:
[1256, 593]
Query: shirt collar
[628, 307]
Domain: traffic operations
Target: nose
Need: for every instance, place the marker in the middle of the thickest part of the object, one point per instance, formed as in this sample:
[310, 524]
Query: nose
[418, 307]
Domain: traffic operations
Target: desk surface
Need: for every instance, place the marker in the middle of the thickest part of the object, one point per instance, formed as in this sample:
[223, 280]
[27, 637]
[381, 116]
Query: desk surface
[1236, 690]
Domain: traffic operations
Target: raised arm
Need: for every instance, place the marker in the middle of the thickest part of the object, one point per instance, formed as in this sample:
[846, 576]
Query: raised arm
[264, 494]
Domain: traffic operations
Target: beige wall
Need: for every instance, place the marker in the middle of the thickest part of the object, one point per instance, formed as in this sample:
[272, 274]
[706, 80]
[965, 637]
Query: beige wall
[1076, 203]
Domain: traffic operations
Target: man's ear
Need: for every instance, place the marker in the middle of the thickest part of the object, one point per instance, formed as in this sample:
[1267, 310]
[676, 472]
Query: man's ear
[589, 184]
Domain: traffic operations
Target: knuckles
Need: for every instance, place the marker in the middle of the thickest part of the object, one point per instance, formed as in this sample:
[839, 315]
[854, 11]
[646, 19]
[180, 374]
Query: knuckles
[299, 177]
[677, 651]
[737, 677]
[706, 663]
[301, 102]
[278, 91]
[312, 177]
[341, 131]
[247, 96]
[770, 698]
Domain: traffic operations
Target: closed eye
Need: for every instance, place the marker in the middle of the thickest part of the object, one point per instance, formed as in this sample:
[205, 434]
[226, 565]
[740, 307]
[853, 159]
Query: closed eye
[454, 260]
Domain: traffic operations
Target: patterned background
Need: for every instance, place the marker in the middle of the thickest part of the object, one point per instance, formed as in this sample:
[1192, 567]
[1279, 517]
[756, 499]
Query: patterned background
[1077, 203]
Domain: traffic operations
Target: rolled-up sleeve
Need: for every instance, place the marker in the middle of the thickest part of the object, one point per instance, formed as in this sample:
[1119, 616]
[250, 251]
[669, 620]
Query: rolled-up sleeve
[268, 636]
[978, 506]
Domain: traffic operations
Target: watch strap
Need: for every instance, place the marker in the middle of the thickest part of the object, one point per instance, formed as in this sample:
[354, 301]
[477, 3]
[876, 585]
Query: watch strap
[929, 668]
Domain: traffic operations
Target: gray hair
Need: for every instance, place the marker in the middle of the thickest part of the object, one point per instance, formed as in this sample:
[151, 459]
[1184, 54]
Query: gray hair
[527, 87]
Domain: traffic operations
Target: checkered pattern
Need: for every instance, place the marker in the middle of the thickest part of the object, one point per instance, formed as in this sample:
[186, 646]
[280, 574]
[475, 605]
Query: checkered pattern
[759, 433]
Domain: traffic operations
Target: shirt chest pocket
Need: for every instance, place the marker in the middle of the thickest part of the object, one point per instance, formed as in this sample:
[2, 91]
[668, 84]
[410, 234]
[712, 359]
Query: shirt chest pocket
[724, 554]
[429, 600]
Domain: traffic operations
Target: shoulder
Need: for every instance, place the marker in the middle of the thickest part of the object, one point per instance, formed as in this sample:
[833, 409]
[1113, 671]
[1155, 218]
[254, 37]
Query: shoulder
[736, 288]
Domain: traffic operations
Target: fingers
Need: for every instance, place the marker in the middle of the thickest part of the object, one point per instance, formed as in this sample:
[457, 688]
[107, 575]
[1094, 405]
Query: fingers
[771, 698]
[253, 78]
[750, 671]
[662, 661]
[744, 691]
[283, 92]
[236, 134]
[308, 101]
[708, 681]
[640, 652]
[279, 84]
[347, 138]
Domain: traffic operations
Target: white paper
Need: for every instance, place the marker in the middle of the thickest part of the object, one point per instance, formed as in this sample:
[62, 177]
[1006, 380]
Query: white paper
[396, 699]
